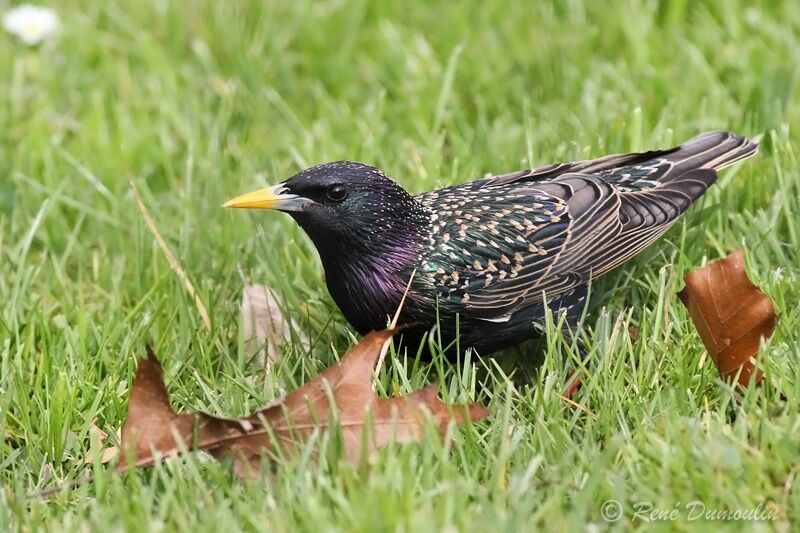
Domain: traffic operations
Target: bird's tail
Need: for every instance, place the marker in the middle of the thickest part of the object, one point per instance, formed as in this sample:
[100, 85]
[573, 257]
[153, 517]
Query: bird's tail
[713, 150]
[653, 171]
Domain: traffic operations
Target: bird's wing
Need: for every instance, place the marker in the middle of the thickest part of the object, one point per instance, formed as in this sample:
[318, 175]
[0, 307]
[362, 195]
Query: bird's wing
[519, 244]
[547, 238]
[505, 243]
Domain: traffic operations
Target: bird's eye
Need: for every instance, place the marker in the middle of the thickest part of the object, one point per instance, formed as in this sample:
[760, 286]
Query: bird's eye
[337, 193]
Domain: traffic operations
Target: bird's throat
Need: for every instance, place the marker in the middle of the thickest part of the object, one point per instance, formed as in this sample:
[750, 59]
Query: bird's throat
[368, 288]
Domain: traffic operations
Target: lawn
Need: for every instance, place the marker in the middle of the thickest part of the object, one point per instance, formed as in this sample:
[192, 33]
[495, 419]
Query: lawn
[195, 102]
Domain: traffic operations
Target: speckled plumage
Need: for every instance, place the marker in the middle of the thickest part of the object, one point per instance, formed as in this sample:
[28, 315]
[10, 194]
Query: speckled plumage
[488, 256]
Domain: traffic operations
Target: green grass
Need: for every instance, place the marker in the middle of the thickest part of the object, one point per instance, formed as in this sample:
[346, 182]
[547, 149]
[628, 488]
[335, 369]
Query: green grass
[196, 102]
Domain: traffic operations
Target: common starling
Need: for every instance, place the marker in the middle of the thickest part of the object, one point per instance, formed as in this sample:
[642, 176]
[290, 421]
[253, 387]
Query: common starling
[489, 256]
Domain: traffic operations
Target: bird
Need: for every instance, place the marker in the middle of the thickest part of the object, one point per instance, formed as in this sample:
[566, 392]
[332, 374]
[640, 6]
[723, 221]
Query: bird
[481, 263]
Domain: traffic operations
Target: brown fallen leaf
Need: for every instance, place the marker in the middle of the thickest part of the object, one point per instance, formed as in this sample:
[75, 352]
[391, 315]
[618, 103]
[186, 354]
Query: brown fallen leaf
[263, 324]
[152, 430]
[731, 315]
[342, 396]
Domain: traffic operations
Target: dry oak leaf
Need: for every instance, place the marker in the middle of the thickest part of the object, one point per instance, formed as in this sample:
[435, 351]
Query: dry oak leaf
[731, 315]
[342, 396]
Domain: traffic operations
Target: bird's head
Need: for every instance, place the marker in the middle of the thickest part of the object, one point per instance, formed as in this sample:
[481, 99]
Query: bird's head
[344, 205]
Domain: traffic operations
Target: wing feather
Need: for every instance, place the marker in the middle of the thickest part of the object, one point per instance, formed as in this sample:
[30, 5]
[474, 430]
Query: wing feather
[512, 240]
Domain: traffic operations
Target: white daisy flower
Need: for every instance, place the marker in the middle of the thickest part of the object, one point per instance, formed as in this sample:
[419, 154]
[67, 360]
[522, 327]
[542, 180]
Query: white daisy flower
[31, 23]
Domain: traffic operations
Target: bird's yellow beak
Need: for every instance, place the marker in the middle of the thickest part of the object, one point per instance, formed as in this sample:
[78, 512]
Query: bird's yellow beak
[275, 197]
